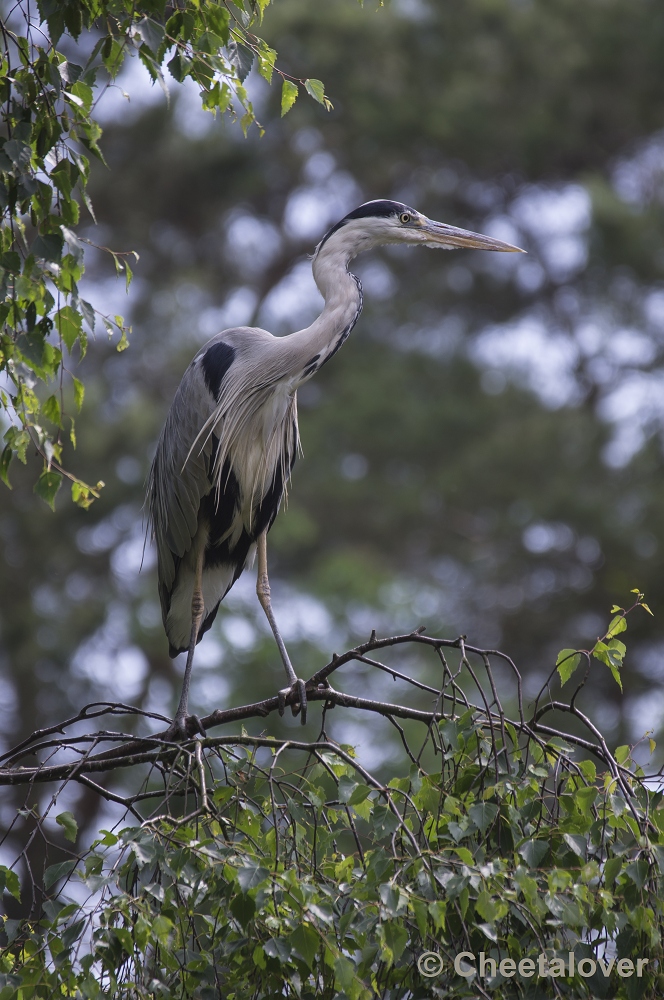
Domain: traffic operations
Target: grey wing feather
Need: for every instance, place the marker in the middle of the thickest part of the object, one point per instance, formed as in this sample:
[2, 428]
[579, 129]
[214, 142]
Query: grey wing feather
[179, 478]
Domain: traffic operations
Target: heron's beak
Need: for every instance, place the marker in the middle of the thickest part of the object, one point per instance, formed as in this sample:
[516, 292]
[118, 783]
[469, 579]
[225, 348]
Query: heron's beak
[449, 237]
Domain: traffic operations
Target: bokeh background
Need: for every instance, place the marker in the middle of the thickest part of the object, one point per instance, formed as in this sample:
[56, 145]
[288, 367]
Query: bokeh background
[484, 456]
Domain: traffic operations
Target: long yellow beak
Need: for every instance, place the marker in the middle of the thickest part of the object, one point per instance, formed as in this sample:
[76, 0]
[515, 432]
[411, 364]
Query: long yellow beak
[441, 235]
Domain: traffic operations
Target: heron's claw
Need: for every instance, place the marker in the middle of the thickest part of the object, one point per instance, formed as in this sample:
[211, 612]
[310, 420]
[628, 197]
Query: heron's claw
[183, 727]
[197, 726]
[299, 706]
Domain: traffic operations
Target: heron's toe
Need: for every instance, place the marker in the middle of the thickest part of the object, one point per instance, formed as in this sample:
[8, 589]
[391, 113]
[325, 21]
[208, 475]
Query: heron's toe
[194, 722]
[302, 699]
[299, 705]
[282, 695]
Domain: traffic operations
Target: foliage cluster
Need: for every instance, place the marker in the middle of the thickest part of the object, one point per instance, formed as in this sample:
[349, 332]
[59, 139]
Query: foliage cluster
[304, 876]
[48, 131]
[276, 868]
[609, 650]
[447, 480]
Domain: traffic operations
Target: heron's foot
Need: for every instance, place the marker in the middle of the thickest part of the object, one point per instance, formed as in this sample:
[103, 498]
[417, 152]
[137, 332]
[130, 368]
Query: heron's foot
[184, 727]
[299, 706]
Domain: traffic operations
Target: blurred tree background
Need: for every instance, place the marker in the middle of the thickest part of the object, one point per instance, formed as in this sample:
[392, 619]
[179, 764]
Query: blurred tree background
[483, 457]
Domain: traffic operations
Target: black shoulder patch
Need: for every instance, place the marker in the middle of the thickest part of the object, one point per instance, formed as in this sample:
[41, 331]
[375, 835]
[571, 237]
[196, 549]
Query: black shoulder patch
[216, 361]
[381, 208]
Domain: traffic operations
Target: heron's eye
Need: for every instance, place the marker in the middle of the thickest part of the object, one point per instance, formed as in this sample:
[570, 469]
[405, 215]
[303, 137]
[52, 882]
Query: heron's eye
[404, 217]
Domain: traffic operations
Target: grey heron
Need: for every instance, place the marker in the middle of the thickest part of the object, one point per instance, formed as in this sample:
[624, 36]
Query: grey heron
[227, 448]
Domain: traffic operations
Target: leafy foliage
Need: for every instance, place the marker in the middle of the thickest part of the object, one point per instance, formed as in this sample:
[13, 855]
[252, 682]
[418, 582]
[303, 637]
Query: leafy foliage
[608, 650]
[283, 868]
[305, 874]
[48, 134]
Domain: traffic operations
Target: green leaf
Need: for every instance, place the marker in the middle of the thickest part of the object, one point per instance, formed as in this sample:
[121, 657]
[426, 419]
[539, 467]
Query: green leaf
[485, 906]
[533, 852]
[218, 18]
[9, 882]
[622, 754]
[48, 246]
[344, 973]
[74, 244]
[54, 873]
[588, 769]
[618, 625]
[306, 942]
[289, 92]
[88, 314]
[79, 393]
[246, 121]
[390, 897]
[617, 802]
[347, 786]
[123, 343]
[585, 798]
[68, 324]
[47, 487]
[19, 441]
[277, 948]
[266, 60]
[5, 459]
[612, 655]
[10, 261]
[566, 663]
[68, 823]
[161, 928]
[658, 852]
[84, 93]
[217, 98]
[483, 814]
[359, 794]
[566, 910]
[577, 844]
[395, 939]
[437, 911]
[251, 876]
[638, 872]
[611, 870]
[450, 732]
[82, 495]
[316, 90]
[243, 908]
[241, 57]
[73, 932]
[51, 410]
[151, 33]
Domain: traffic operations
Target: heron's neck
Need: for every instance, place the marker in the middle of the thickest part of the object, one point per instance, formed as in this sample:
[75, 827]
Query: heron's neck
[342, 292]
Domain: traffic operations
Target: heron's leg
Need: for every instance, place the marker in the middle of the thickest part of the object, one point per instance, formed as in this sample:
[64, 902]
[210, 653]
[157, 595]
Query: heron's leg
[178, 728]
[263, 593]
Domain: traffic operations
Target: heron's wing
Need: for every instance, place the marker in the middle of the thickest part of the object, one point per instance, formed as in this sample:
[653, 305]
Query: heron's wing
[180, 474]
[213, 460]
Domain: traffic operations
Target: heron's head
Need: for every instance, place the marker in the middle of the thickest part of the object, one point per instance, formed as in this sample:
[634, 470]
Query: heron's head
[379, 222]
